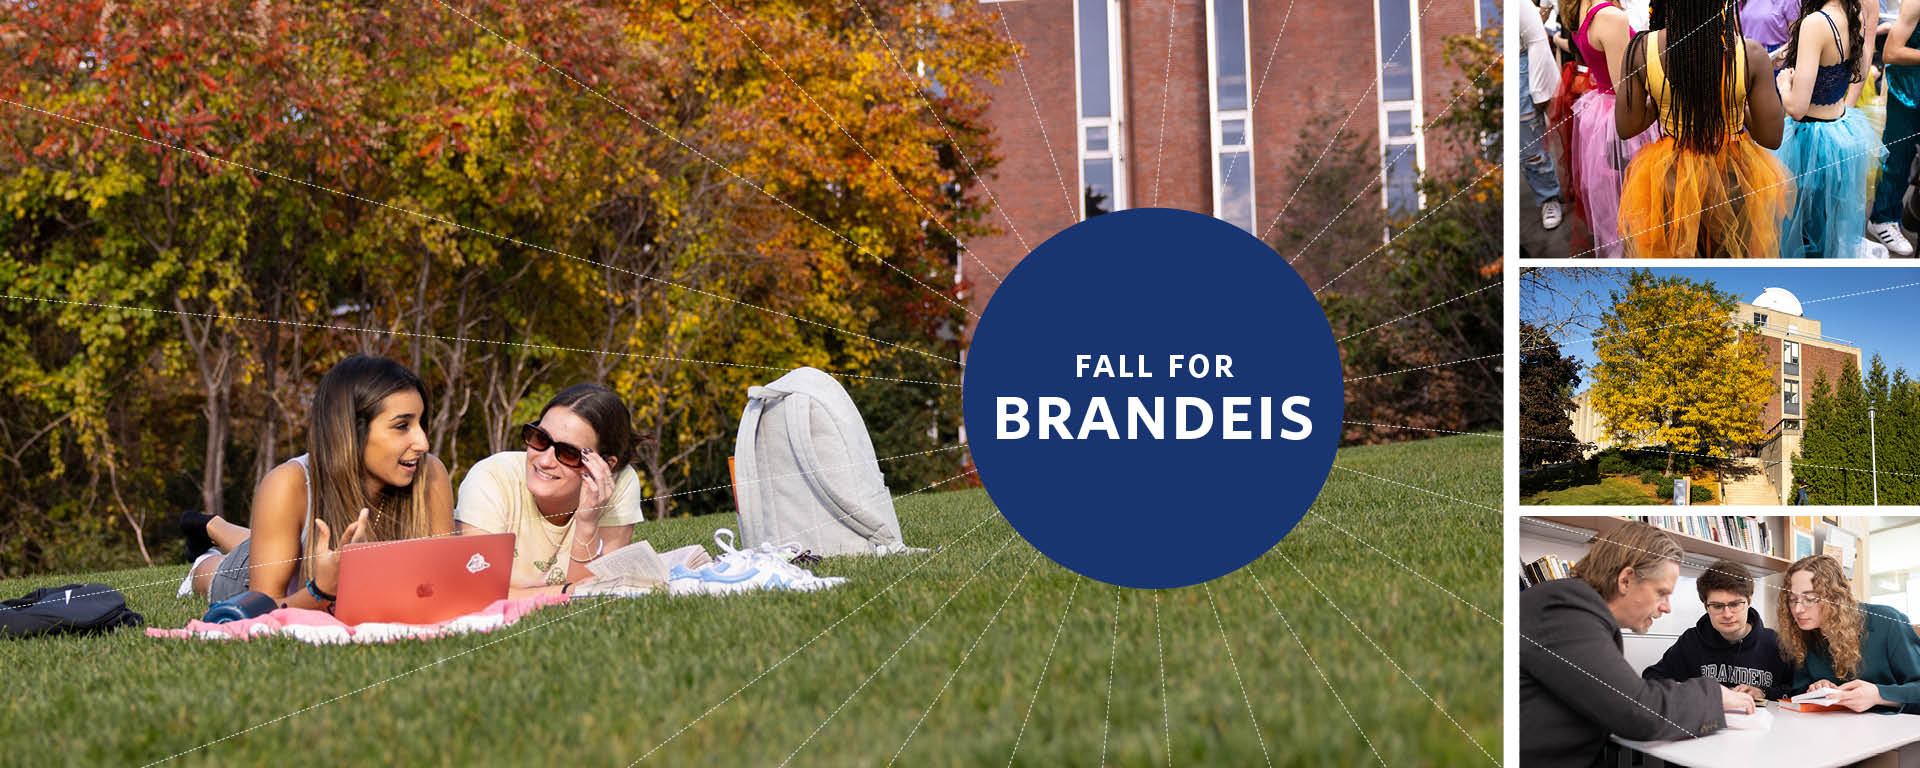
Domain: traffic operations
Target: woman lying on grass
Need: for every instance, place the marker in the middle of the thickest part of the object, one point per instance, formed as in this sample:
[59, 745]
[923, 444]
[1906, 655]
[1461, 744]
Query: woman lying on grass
[569, 498]
[1868, 651]
[368, 475]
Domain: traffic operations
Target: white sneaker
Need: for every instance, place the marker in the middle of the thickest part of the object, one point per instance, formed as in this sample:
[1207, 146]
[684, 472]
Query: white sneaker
[746, 570]
[1888, 234]
[1550, 214]
[186, 584]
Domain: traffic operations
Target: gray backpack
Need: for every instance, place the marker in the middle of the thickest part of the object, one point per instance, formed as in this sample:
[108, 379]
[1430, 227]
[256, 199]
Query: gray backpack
[805, 472]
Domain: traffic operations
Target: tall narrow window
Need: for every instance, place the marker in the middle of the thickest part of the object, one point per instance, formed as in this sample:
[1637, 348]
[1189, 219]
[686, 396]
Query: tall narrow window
[1232, 116]
[1402, 156]
[1790, 397]
[1103, 165]
[1790, 358]
[1489, 15]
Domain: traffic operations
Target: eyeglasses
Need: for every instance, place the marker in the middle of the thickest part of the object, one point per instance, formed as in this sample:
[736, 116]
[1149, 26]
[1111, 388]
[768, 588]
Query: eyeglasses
[1795, 601]
[538, 440]
[1736, 606]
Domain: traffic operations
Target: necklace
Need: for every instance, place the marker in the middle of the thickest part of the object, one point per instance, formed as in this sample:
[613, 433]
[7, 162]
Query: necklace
[558, 541]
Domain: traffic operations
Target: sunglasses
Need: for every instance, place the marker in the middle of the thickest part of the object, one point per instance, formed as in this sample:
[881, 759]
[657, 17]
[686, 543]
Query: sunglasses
[538, 440]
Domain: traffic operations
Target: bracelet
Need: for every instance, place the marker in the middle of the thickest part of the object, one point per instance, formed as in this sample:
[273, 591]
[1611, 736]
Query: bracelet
[314, 589]
[599, 549]
[566, 587]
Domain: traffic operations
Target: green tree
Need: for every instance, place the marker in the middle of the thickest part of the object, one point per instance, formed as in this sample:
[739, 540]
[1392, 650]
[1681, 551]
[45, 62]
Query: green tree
[1417, 313]
[1838, 450]
[1674, 370]
[1834, 441]
[1547, 382]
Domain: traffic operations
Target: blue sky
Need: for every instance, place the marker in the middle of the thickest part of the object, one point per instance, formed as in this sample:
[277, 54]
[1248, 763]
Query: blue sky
[1882, 322]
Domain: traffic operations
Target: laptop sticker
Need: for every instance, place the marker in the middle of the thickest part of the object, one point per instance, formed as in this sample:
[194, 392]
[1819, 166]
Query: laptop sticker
[477, 564]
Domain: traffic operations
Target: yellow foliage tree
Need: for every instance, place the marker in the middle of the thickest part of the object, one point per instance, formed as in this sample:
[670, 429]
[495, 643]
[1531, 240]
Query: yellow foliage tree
[1676, 370]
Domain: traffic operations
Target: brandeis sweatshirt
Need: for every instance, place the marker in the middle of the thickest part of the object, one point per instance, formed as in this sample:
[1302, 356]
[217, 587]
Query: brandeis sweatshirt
[1703, 652]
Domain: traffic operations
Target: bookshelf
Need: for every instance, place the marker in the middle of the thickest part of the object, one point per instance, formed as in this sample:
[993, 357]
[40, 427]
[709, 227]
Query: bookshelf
[1706, 550]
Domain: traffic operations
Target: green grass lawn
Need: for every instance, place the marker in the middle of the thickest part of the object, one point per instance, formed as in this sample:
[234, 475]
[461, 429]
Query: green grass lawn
[686, 681]
[1610, 490]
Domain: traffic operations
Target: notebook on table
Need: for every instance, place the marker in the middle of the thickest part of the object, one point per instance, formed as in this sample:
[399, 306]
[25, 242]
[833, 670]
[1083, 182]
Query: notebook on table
[422, 581]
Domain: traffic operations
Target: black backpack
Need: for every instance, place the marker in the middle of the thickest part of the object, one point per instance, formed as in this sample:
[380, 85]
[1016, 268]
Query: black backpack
[76, 608]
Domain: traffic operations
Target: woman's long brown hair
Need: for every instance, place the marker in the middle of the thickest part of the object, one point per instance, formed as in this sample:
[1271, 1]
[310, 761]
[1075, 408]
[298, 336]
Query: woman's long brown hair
[344, 407]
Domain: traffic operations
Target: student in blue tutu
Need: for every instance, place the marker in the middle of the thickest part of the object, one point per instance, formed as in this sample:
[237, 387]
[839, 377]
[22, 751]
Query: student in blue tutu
[1828, 147]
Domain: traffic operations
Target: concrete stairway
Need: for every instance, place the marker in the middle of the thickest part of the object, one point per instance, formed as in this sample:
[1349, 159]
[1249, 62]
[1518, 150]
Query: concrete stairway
[1753, 489]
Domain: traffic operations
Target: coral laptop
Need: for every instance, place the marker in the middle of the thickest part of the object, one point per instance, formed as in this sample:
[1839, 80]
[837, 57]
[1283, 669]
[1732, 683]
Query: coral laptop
[422, 581]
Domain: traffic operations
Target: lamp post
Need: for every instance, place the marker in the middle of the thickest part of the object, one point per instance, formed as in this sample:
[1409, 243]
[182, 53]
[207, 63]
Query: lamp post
[1873, 449]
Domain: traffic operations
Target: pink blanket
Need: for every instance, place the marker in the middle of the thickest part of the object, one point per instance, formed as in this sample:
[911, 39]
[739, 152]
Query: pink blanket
[321, 628]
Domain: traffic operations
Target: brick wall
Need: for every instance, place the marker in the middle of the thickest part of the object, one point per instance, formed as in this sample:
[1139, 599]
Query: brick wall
[1443, 19]
[1775, 402]
[1815, 361]
[1025, 183]
[1324, 64]
[1167, 105]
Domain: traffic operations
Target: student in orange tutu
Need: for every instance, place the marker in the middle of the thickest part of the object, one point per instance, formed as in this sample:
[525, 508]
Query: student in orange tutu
[1709, 187]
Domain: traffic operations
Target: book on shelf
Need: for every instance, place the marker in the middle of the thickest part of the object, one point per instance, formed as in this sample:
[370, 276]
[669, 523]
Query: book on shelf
[1544, 569]
[1743, 532]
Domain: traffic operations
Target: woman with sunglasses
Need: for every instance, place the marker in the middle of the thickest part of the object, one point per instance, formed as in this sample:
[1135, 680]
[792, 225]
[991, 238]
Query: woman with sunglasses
[1867, 651]
[569, 498]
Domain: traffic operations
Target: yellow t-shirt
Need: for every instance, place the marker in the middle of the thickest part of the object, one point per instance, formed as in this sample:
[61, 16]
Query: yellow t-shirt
[494, 498]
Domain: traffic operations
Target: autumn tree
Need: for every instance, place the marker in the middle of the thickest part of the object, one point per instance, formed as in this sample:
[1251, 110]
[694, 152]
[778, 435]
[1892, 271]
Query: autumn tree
[1675, 370]
[678, 201]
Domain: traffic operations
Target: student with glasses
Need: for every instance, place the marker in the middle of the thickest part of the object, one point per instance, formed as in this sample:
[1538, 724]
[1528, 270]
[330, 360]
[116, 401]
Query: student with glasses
[1576, 686]
[569, 498]
[1729, 643]
[1867, 651]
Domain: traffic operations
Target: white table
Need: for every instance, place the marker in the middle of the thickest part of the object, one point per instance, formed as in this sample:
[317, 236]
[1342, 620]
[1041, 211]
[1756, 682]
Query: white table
[1796, 740]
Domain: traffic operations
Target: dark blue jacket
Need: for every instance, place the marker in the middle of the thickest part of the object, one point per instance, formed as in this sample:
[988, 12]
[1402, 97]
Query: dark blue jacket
[1703, 652]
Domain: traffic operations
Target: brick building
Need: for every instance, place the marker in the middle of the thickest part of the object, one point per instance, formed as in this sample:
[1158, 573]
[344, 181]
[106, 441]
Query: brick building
[1797, 354]
[1200, 104]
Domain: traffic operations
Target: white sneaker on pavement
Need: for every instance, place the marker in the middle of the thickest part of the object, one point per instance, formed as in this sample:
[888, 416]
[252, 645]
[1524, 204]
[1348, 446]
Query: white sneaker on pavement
[1888, 233]
[1550, 214]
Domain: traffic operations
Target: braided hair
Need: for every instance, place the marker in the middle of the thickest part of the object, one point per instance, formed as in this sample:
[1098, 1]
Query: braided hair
[1702, 38]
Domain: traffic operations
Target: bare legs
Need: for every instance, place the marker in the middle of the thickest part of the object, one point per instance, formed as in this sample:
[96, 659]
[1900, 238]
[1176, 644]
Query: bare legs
[226, 536]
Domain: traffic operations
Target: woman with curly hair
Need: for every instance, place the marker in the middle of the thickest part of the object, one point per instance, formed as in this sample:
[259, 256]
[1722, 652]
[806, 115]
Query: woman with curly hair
[1867, 651]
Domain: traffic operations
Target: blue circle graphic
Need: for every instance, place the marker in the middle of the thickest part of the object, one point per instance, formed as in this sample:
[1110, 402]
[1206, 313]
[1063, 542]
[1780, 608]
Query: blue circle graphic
[1153, 398]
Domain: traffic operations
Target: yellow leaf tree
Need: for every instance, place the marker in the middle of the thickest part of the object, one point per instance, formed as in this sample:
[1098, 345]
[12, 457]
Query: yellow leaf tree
[1677, 371]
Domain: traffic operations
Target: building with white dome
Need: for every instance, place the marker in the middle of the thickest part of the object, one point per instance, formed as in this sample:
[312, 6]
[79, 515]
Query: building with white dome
[1798, 352]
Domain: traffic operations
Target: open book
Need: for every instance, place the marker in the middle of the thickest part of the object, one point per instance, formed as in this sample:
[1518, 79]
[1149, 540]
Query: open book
[637, 560]
[1821, 700]
[635, 569]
